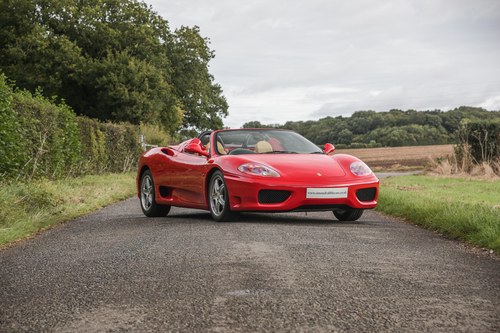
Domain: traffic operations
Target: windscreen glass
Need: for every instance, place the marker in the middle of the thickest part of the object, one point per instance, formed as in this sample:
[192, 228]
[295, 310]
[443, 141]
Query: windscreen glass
[238, 142]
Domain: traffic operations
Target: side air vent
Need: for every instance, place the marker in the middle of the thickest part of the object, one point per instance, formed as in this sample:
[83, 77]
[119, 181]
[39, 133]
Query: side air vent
[165, 191]
[273, 196]
[366, 194]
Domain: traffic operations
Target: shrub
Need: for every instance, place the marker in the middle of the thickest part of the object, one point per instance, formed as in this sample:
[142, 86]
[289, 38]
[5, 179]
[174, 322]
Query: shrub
[108, 147]
[122, 146]
[50, 143]
[93, 153]
[483, 138]
[155, 135]
[341, 146]
[358, 145]
[39, 138]
[477, 153]
[11, 140]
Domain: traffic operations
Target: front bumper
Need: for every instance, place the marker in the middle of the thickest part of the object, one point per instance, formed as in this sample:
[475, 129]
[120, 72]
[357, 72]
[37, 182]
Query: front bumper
[244, 194]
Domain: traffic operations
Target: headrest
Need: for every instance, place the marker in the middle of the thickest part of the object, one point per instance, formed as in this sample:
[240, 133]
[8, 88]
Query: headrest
[263, 147]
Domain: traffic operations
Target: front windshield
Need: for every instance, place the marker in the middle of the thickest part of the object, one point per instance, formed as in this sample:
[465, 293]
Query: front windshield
[236, 142]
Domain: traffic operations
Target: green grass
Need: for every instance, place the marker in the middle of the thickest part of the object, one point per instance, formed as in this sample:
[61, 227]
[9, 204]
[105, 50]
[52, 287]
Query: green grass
[28, 207]
[461, 208]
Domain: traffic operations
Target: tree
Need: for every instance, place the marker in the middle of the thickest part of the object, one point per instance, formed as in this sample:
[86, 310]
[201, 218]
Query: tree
[200, 96]
[345, 137]
[111, 59]
[129, 89]
[253, 124]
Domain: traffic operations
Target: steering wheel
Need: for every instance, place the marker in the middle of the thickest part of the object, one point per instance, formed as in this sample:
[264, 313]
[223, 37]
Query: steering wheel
[256, 136]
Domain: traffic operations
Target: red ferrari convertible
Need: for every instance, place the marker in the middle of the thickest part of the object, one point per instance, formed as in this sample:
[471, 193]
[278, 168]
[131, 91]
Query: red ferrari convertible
[265, 170]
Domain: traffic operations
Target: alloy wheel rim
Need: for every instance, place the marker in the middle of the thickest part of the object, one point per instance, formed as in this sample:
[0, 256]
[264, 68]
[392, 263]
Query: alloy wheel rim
[147, 193]
[218, 196]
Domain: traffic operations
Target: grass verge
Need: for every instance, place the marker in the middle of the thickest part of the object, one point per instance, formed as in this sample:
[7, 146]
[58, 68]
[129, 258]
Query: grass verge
[461, 208]
[26, 208]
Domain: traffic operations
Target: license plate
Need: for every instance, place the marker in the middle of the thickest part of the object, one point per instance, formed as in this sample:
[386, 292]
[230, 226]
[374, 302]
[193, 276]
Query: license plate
[327, 193]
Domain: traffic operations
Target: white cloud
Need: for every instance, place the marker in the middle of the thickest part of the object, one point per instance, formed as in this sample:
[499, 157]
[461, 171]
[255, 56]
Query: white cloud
[295, 60]
[492, 103]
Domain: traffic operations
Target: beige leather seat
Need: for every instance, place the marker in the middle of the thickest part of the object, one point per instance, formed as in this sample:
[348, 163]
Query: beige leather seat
[220, 148]
[263, 147]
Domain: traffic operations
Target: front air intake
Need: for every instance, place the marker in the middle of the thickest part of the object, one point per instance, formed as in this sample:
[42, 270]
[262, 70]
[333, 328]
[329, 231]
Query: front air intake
[273, 196]
[366, 194]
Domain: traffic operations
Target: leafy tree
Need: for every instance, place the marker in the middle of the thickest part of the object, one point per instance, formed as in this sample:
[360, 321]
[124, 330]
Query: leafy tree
[253, 124]
[345, 136]
[200, 96]
[132, 90]
[111, 59]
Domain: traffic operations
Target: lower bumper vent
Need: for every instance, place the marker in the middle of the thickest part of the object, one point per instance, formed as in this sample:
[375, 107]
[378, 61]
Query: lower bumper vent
[366, 194]
[273, 196]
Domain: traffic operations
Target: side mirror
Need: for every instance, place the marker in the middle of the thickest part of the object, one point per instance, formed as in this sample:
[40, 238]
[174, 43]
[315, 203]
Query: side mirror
[329, 149]
[195, 147]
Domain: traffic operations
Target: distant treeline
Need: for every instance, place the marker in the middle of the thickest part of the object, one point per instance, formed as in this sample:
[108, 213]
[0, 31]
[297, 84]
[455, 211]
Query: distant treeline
[113, 60]
[387, 129]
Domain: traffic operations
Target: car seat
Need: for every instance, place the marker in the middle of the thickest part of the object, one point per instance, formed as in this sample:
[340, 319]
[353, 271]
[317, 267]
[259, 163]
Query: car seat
[220, 148]
[263, 147]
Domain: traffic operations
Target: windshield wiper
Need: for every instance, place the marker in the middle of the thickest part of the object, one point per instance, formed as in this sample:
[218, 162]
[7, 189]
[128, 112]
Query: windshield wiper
[280, 152]
[317, 152]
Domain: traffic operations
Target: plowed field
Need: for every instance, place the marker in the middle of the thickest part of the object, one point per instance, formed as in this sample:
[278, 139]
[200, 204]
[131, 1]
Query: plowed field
[399, 158]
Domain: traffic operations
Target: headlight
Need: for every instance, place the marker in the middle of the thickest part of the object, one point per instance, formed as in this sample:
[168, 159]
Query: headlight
[257, 169]
[360, 169]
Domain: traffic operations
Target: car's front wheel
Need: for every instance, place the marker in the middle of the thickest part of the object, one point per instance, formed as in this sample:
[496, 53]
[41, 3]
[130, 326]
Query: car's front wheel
[218, 199]
[147, 195]
[350, 214]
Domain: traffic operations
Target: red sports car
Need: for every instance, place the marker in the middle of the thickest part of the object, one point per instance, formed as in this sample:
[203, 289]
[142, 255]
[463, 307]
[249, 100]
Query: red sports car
[265, 170]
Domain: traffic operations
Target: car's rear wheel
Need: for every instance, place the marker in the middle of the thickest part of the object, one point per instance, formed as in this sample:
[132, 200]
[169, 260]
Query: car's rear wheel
[218, 199]
[147, 195]
[351, 214]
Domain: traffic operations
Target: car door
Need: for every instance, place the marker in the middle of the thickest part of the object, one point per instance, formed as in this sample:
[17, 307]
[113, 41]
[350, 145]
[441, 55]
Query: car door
[187, 179]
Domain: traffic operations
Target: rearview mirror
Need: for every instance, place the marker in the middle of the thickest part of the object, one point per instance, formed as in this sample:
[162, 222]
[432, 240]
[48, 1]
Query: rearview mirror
[195, 147]
[329, 149]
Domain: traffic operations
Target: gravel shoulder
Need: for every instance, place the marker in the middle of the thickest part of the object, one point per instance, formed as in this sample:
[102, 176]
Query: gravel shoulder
[116, 270]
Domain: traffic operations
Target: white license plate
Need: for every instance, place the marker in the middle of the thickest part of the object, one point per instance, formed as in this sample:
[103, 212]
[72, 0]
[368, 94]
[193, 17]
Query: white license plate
[327, 193]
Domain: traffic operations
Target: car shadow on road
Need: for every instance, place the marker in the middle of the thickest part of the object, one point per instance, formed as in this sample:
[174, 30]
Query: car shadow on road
[299, 219]
[268, 219]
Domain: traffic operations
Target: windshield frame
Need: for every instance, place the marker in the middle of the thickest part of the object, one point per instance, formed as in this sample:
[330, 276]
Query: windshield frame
[245, 140]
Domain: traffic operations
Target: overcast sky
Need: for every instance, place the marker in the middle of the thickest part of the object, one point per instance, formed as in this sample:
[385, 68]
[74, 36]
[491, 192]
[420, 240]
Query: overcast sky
[280, 60]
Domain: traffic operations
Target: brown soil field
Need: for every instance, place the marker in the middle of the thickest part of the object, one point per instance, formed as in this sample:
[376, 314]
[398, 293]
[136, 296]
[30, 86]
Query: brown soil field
[399, 158]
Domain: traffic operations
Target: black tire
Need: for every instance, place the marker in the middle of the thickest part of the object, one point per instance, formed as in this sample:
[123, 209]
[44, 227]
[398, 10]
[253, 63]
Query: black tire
[147, 197]
[350, 214]
[218, 199]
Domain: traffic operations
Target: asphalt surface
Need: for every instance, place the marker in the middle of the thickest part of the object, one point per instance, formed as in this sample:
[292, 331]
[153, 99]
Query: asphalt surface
[118, 271]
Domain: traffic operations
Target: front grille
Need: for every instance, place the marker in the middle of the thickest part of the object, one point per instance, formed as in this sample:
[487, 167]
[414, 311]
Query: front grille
[366, 194]
[273, 196]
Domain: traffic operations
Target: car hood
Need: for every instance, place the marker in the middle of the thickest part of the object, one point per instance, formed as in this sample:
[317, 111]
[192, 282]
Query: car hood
[300, 165]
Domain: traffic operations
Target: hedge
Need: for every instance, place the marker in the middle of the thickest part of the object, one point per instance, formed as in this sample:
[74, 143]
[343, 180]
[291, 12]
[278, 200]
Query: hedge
[10, 132]
[108, 147]
[39, 138]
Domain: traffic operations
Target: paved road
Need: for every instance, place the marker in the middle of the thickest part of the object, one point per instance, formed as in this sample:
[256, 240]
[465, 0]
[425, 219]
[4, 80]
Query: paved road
[115, 271]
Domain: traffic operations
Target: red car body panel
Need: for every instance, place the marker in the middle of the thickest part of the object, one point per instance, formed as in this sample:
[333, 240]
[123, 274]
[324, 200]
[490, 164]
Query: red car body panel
[181, 179]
